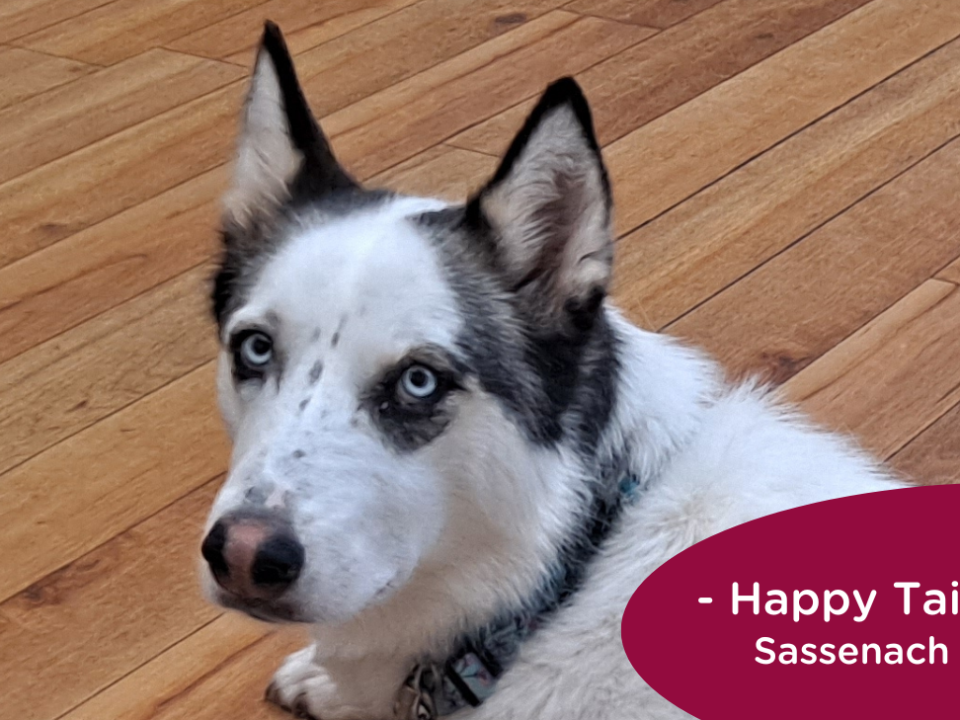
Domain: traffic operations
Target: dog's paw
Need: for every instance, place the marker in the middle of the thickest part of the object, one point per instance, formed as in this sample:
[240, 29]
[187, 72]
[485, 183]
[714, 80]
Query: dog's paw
[302, 687]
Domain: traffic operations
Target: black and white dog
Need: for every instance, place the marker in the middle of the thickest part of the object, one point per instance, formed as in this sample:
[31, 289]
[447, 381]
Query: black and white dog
[452, 457]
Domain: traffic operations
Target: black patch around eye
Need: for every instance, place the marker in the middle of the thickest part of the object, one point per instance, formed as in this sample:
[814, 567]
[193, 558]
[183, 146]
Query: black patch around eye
[410, 423]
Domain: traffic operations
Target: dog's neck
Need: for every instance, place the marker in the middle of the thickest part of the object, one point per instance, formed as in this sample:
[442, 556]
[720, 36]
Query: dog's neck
[508, 533]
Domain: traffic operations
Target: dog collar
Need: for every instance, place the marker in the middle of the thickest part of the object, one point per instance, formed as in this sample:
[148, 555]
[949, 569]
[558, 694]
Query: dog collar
[469, 676]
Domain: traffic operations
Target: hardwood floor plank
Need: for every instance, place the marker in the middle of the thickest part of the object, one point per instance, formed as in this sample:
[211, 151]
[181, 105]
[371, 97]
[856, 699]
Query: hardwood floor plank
[20, 17]
[892, 378]
[652, 13]
[108, 612]
[441, 171]
[124, 28]
[67, 384]
[73, 280]
[24, 74]
[409, 117]
[360, 63]
[229, 683]
[787, 313]
[734, 225]
[305, 24]
[933, 457]
[70, 117]
[102, 179]
[649, 80]
[119, 472]
[666, 161]
[866, 342]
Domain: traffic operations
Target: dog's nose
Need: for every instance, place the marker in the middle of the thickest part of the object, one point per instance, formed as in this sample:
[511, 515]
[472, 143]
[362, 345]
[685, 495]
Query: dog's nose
[252, 557]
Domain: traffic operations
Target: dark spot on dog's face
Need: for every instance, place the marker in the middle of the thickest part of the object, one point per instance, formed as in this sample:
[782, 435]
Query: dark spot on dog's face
[316, 371]
[336, 334]
[298, 454]
[304, 403]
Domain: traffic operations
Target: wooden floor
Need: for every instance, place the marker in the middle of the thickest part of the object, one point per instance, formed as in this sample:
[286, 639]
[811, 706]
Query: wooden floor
[787, 175]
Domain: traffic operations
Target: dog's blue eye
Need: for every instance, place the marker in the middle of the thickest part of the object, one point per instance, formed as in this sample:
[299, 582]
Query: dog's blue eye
[418, 382]
[256, 350]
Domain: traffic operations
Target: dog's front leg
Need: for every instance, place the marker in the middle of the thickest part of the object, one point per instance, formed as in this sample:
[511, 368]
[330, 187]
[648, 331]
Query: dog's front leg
[362, 689]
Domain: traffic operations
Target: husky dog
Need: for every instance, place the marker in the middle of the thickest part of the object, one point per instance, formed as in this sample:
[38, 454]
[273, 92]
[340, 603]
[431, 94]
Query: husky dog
[452, 457]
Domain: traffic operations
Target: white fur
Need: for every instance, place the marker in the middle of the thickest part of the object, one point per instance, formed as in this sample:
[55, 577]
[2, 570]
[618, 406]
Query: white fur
[556, 167]
[266, 158]
[406, 550]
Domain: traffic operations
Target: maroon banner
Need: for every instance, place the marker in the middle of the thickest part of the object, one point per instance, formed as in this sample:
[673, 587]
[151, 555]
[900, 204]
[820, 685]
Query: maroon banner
[842, 609]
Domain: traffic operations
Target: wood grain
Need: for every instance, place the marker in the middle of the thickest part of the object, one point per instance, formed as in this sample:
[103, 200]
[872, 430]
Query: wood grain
[219, 672]
[669, 159]
[102, 179]
[695, 250]
[20, 17]
[790, 311]
[893, 377]
[111, 610]
[305, 23]
[100, 482]
[951, 273]
[73, 280]
[652, 13]
[441, 171]
[65, 385]
[933, 457]
[24, 73]
[362, 62]
[642, 83]
[124, 28]
[57, 122]
[411, 116]
[865, 342]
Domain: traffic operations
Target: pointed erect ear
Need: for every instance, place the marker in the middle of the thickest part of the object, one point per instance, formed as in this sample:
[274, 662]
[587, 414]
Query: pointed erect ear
[281, 149]
[548, 209]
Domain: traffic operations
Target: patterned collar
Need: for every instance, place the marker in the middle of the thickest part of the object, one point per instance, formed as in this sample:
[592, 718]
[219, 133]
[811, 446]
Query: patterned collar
[469, 676]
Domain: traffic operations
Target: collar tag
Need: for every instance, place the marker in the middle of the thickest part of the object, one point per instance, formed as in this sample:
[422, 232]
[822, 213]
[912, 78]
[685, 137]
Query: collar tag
[415, 699]
[431, 691]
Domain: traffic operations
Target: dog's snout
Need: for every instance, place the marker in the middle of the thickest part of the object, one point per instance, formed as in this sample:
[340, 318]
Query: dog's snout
[253, 558]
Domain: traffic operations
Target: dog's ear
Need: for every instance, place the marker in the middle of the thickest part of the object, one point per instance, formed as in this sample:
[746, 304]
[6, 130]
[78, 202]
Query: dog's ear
[548, 210]
[281, 149]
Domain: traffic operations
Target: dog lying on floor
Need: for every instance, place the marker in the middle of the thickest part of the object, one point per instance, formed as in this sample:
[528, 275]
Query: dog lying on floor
[452, 457]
